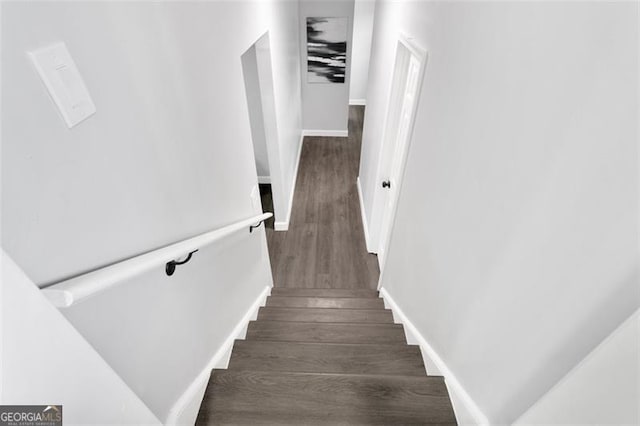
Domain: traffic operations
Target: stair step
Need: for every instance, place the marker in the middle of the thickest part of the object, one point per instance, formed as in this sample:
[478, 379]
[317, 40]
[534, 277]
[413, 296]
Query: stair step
[325, 332]
[327, 358]
[250, 397]
[325, 302]
[323, 292]
[382, 316]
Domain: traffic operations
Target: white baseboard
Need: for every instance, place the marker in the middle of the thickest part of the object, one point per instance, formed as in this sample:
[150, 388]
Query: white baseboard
[365, 225]
[281, 226]
[357, 101]
[284, 225]
[185, 410]
[466, 410]
[330, 133]
[264, 179]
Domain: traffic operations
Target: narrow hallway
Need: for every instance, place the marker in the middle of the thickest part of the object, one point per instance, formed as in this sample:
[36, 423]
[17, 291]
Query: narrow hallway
[324, 246]
[323, 349]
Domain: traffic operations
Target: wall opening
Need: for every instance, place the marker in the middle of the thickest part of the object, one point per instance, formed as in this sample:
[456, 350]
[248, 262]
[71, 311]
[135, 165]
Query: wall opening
[258, 79]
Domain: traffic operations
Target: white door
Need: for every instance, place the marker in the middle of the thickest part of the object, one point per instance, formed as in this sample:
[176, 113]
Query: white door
[408, 75]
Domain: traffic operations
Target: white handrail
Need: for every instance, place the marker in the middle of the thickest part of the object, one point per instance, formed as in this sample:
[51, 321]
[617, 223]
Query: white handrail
[68, 292]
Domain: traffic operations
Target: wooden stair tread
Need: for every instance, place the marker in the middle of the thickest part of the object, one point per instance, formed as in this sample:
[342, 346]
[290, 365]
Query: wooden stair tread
[325, 332]
[270, 313]
[327, 358]
[323, 292]
[245, 397]
[325, 302]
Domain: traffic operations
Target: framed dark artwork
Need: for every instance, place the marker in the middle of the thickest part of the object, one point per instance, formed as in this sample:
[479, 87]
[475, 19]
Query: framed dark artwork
[326, 50]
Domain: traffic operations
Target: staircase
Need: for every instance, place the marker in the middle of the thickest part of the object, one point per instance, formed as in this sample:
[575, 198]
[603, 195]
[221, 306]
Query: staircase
[323, 356]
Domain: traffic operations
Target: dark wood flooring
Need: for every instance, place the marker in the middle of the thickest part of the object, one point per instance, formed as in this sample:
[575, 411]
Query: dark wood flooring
[324, 246]
[303, 371]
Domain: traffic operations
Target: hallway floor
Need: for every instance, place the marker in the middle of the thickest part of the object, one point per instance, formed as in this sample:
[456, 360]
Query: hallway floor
[324, 246]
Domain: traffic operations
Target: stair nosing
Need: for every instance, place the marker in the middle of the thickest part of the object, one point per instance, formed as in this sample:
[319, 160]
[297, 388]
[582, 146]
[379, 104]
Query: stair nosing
[325, 322]
[323, 289]
[368, 375]
[297, 310]
[341, 323]
[404, 346]
[325, 297]
[320, 307]
[355, 375]
[320, 288]
[316, 307]
[328, 343]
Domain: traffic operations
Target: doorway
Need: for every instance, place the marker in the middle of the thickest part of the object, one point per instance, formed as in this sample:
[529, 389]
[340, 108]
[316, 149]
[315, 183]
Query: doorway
[407, 79]
[258, 80]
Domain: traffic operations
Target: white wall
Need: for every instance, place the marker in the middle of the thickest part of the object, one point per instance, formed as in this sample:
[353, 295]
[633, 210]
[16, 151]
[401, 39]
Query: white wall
[252, 86]
[167, 329]
[281, 208]
[167, 155]
[363, 13]
[285, 55]
[170, 139]
[325, 106]
[45, 361]
[603, 389]
[514, 251]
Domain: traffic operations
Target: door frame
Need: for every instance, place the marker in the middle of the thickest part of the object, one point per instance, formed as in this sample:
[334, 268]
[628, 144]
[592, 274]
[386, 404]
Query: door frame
[406, 48]
[261, 50]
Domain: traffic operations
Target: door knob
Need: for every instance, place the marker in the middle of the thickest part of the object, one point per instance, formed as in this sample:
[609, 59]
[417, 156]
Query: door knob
[386, 184]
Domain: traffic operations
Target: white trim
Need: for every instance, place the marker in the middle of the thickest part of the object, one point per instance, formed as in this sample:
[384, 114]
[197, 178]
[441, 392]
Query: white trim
[380, 268]
[281, 226]
[284, 225]
[466, 410]
[357, 101]
[329, 133]
[68, 292]
[264, 180]
[365, 225]
[185, 409]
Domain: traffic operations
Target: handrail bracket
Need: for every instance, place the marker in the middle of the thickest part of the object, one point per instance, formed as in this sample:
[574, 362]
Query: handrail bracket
[252, 227]
[170, 267]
